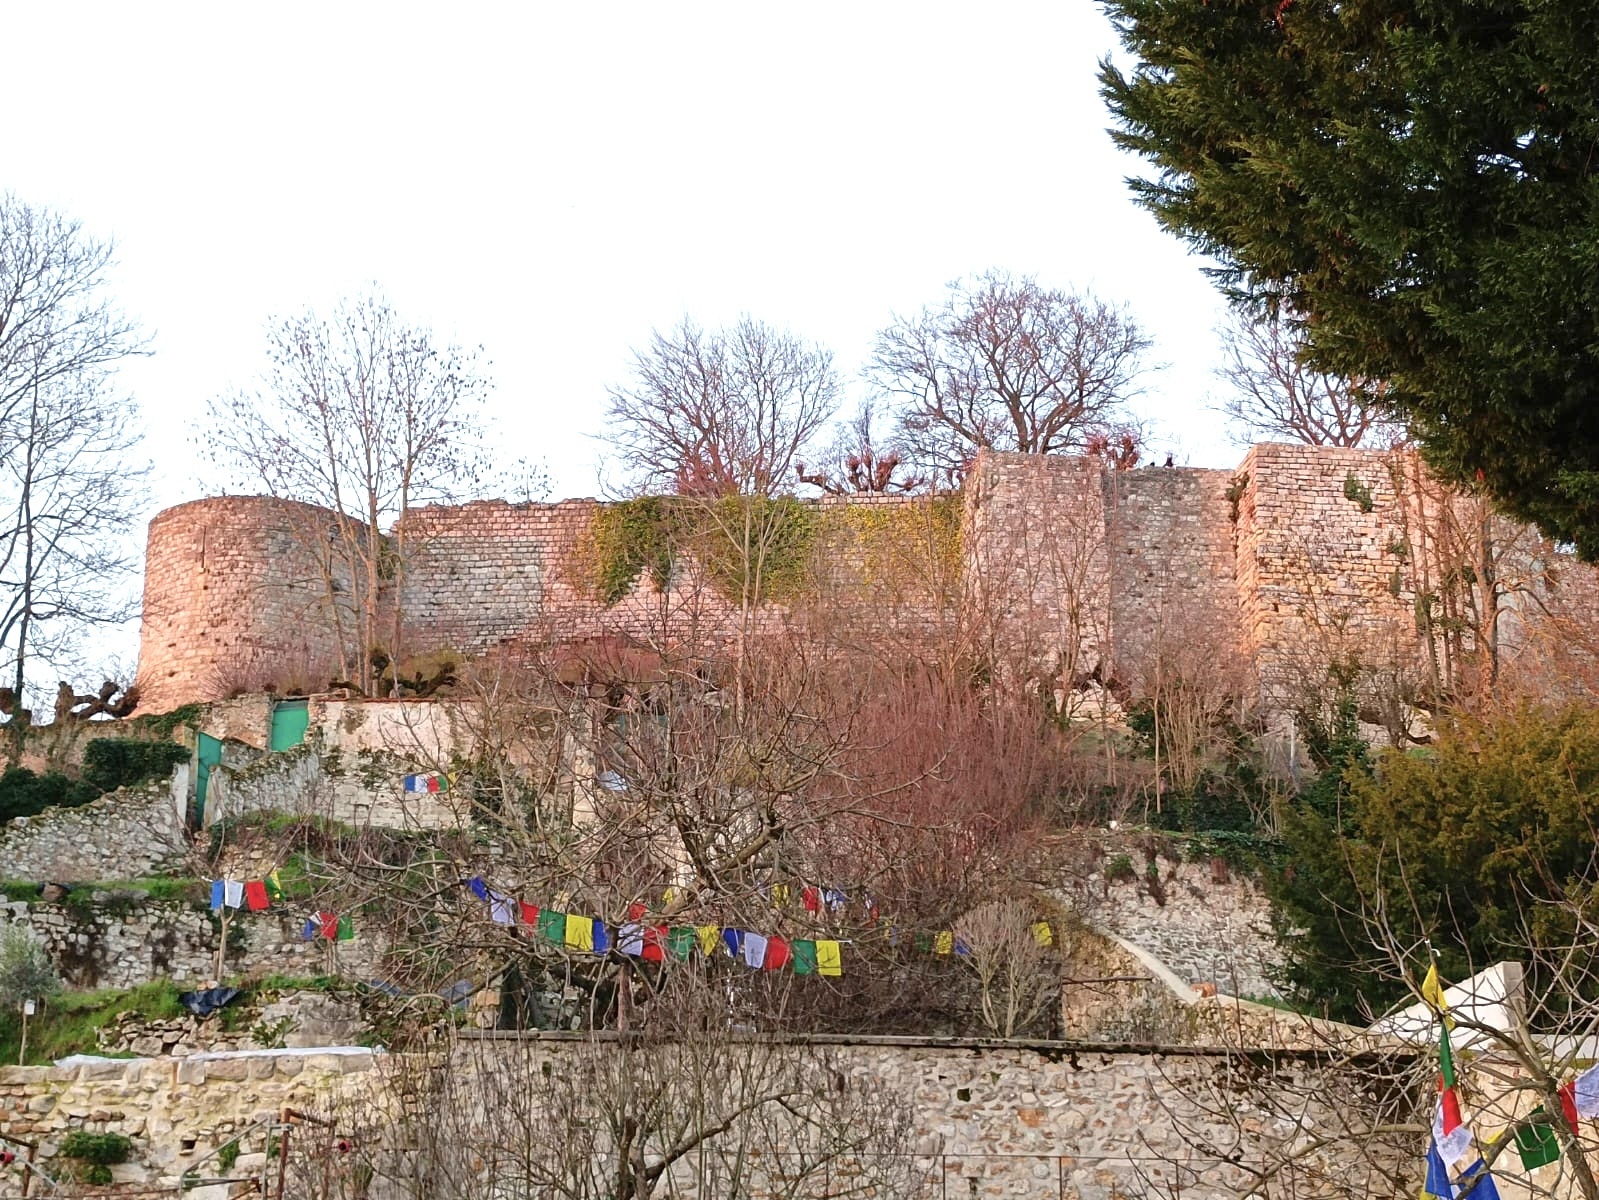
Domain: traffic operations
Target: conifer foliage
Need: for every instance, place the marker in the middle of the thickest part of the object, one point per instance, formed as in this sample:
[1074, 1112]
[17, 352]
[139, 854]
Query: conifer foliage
[1414, 179]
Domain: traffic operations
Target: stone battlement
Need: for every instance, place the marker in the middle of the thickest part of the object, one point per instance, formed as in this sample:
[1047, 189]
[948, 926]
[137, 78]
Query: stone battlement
[1265, 571]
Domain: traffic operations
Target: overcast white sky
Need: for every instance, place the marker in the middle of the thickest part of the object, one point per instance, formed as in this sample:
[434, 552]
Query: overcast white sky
[551, 182]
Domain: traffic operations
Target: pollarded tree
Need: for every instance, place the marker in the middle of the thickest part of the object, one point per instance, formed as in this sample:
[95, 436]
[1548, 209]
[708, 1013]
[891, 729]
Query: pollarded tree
[1414, 182]
[68, 478]
[363, 414]
[1006, 364]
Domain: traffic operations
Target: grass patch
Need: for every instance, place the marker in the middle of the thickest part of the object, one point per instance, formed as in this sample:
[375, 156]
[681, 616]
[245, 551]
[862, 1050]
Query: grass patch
[70, 1021]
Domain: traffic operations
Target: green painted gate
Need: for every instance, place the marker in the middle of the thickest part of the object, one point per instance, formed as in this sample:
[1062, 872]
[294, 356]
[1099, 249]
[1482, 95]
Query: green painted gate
[290, 718]
[209, 755]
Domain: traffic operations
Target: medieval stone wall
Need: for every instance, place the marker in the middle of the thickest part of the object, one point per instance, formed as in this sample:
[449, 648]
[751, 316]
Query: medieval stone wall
[1274, 568]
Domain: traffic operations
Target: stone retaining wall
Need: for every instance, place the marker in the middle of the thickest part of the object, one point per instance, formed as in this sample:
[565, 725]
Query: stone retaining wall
[126, 834]
[116, 942]
[1019, 1120]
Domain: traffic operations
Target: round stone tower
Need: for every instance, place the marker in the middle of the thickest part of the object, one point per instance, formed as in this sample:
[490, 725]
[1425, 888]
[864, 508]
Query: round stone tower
[233, 599]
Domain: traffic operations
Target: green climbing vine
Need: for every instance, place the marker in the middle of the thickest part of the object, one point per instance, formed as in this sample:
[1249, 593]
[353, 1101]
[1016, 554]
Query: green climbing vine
[763, 547]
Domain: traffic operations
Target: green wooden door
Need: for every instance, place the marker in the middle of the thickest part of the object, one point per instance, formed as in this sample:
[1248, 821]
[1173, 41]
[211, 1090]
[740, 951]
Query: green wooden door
[290, 718]
[209, 755]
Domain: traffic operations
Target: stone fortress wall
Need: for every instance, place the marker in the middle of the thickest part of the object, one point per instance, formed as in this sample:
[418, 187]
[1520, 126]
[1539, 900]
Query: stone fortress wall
[1087, 569]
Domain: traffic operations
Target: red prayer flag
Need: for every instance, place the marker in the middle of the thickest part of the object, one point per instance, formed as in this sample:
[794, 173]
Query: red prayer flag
[811, 899]
[635, 911]
[1568, 1104]
[655, 944]
[255, 894]
[1451, 1109]
[777, 956]
[328, 925]
[529, 913]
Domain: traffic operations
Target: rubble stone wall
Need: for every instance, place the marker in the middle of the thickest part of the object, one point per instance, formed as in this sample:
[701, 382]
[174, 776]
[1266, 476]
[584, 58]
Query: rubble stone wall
[127, 834]
[1041, 1120]
[117, 941]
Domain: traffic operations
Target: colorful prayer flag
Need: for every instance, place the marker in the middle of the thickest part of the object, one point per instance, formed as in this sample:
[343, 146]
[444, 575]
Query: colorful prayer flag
[811, 898]
[309, 929]
[345, 929]
[708, 936]
[232, 892]
[680, 942]
[754, 951]
[602, 937]
[327, 925]
[426, 783]
[1585, 1093]
[780, 895]
[1043, 934]
[255, 894]
[274, 886]
[477, 887]
[654, 944]
[579, 932]
[1536, 1141]
[733, 941]
[502, 908]
[552, 925]
[777, 954]
[944, 942]
[829, 959]
[218, 892]
[630, 939]
[804, 954]
[528, 913]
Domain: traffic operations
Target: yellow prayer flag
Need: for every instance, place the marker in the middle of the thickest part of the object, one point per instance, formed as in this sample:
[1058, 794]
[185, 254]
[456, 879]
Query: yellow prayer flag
[710, 936]
[669, 896]
[779, 895]
[1432, 990]
[944, 942]
[579, 932]
[829, 961]
[1043, 934]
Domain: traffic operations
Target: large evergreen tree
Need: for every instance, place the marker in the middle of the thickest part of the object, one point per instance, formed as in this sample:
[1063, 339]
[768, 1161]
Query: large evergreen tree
[1416, 181]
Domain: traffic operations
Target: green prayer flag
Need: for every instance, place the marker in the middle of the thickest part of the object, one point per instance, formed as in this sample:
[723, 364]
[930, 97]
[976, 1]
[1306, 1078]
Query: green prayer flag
[346, 930]
[1536, 1141]
[552, 925]
[804, 955]
[923, 942]
[273, 886]
[1446, 1058]
[680, 941]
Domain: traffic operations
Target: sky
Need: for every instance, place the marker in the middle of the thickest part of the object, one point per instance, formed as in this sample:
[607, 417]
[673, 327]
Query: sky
[552, 182]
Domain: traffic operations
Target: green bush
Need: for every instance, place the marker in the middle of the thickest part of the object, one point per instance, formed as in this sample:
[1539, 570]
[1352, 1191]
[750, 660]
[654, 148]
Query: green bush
[110, 763]
[24, 793]
[95, 1153]
[1483, 845]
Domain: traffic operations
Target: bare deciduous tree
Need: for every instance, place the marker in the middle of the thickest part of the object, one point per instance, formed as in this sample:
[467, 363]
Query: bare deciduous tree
[366, 415]
[1007, 364]
[1275, 394]
[721, 412]
[67, 479]
[1015, 960]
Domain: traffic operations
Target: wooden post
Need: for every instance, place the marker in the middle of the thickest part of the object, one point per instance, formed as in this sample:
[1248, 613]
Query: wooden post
[222, 941]
[22, 1051]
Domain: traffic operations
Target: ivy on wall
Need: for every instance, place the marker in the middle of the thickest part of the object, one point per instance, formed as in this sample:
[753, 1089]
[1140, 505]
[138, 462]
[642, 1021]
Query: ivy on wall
[765, 548]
